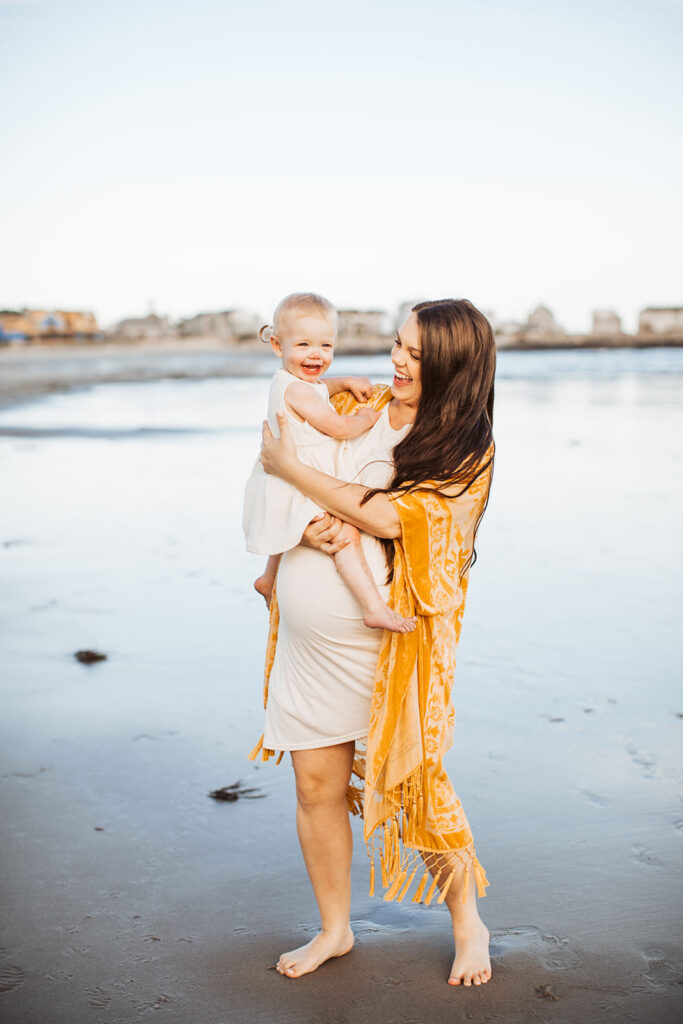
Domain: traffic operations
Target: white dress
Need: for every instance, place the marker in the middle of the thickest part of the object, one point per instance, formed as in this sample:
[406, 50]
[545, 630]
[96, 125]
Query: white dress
[325, 660]
[275, 514]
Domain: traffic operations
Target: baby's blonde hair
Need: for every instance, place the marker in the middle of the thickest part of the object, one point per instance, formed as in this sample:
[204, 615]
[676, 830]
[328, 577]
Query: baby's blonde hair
[304, 301]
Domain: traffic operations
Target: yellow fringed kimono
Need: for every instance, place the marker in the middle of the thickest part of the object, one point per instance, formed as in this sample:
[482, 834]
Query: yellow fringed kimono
[412, 816]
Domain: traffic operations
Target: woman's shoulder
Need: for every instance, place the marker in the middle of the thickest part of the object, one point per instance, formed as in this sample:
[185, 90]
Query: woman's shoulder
[479, 478]
[478, 483]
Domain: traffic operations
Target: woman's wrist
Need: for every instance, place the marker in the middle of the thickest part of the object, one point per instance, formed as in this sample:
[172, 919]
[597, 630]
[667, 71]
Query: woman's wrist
[289, 468]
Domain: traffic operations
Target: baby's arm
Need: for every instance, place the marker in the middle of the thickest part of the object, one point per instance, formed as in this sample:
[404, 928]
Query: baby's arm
[302, 400]
[360, 387]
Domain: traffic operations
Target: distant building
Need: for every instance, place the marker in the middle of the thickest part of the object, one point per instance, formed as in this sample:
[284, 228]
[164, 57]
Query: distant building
[507, 331]
[541, 323]
[228, 325]
[357, 327]
[143, 328]
[404, 311]
[661, 320]
[44, 325]
[15, 328]
[606, 323]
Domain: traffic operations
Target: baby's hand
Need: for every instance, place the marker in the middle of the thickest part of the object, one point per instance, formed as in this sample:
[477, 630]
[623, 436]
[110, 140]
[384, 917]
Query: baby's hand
[360, 388]
[369, 415]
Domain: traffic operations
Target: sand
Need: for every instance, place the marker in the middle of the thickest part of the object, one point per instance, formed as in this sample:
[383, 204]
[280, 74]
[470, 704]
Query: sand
[127, 893]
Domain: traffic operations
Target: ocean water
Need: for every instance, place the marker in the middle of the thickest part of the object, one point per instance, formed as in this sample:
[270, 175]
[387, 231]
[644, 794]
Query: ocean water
[120, 530]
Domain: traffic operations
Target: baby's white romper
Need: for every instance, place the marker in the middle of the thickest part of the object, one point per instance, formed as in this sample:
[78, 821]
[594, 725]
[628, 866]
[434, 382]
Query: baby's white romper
[275, 514]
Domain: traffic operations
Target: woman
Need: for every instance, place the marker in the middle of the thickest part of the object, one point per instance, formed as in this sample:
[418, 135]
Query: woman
[426, 515]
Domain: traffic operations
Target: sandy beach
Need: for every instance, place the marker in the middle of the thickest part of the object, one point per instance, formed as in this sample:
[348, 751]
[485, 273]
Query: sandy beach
[129, 894]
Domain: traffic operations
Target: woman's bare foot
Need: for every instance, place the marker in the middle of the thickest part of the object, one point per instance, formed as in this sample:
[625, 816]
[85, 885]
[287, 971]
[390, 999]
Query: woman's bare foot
[472, 965]
[382, 616]
[264, 586]
[309, 957]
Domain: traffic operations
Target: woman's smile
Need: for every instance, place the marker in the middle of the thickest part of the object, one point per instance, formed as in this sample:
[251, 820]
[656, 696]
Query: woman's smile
[405, 355]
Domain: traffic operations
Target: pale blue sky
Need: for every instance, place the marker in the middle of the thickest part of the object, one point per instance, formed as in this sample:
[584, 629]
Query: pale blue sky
[204, 155]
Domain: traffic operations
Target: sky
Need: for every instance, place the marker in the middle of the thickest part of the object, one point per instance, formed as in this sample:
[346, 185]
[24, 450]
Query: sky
[194, 156]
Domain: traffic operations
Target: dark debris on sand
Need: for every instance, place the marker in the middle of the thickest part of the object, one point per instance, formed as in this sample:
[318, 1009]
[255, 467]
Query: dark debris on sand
[89, 657]
[545, 992]
[234, 792]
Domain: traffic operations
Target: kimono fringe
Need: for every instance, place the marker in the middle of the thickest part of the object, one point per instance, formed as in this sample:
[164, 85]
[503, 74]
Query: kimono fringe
[396, 843]
[265, 752]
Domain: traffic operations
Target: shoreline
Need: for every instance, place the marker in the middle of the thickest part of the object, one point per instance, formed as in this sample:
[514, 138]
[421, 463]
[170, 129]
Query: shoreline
[30, 372]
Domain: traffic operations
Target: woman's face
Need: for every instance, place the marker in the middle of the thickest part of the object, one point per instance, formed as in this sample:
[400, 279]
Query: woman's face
[405, 355]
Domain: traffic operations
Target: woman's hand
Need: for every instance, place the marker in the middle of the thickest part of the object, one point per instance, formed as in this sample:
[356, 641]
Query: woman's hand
[322, 533]
[277, 454]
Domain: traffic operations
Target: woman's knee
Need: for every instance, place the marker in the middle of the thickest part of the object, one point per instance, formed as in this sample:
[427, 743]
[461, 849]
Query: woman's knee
[314, 793]
[323, 781]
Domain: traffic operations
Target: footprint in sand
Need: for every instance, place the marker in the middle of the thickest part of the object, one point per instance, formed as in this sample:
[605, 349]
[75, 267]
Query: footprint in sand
[643, 760]
[98, 997]
[645, 856]
[661, 972]
[529, 943]
[594, 798]
[10, 977]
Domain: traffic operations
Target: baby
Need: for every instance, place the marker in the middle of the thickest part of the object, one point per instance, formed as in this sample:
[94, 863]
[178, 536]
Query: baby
[276, 514]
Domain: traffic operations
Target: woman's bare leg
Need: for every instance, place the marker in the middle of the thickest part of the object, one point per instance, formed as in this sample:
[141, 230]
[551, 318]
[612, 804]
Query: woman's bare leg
[322, 820]
[472, 964]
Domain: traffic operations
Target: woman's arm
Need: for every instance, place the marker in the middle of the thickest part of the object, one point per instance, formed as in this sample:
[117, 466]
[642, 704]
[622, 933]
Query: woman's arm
[378, 517]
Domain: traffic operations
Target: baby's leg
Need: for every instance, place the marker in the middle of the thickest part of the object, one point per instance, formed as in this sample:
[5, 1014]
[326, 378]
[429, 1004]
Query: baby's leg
[265, 583]
[355, 571]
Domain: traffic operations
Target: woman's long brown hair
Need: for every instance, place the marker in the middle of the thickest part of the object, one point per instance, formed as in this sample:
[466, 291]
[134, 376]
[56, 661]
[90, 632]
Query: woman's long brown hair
[453, 428]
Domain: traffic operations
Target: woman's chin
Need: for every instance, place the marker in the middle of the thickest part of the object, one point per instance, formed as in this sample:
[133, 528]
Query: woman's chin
[402, 392]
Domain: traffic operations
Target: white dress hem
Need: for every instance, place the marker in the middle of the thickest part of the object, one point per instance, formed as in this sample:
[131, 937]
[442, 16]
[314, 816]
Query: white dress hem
[317, 744]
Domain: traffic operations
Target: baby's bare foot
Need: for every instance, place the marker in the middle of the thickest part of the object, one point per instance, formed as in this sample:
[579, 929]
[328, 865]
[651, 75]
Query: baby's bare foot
[472, 965]
[384, 617]
[264, 587]
[309, 957]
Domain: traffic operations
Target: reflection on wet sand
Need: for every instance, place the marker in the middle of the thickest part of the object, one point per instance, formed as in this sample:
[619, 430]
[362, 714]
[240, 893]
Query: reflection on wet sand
[127, 889]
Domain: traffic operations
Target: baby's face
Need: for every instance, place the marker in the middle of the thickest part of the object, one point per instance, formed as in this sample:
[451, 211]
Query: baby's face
[305, 343]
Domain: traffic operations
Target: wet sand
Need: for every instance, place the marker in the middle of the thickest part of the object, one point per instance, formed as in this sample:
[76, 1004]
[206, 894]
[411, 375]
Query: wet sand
[128, 893]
